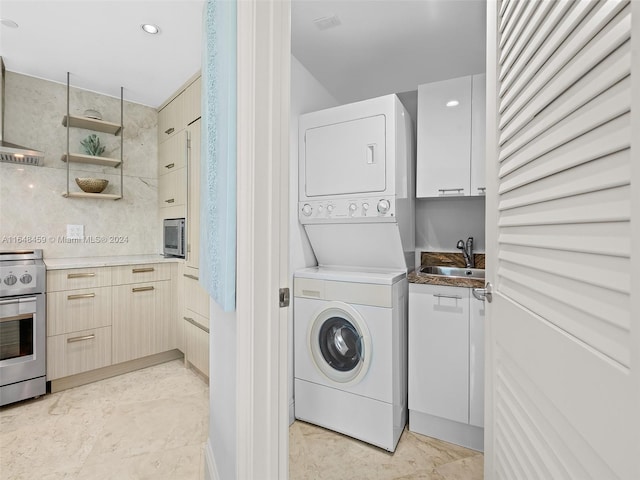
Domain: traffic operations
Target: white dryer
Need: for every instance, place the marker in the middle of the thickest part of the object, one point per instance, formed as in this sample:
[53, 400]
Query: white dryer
[356, 185]
[350, 352]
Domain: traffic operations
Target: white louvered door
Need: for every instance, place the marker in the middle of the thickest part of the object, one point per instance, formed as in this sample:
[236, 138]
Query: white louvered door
[562, 387]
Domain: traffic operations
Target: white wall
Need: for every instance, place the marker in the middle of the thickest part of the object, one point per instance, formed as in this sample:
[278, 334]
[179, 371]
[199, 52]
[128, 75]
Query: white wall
[307, 95]
[441, 222]
[31, 201]
[222, 394]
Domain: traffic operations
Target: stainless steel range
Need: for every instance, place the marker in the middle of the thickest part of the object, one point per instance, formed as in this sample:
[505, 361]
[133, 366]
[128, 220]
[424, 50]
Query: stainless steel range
[22, 325]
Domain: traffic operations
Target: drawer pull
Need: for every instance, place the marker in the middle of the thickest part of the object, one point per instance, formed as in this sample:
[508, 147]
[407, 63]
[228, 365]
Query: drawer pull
[82, 338]
[192, 277]
[482, 190]
[444, 191]
[169, 131]
[142, 270]
[196, 324]
[170, 165]
[439, 295]
[142, 289]
[80, 295]
[171, 200]
[80, 275]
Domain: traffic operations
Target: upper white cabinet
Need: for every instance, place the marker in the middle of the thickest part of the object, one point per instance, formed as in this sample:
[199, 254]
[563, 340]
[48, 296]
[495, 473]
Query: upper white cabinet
[451, 126]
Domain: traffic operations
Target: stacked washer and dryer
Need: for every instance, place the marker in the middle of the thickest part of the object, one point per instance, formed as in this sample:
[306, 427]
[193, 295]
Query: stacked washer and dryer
[356, 203]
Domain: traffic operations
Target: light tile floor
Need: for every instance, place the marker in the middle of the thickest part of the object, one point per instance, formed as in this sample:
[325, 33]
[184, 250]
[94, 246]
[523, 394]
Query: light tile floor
[148, 424]
[152, 424]
[319, 454]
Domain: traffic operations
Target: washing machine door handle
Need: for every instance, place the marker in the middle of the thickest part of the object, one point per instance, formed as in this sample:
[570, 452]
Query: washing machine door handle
[360, 348]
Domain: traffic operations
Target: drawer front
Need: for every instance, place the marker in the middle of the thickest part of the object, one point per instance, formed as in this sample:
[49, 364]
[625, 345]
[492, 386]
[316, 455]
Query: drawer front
[172, 154]
[196, 319]
[78, 352]
[196, 298]
[126, 274]
[172, 188]
[76, 278]
[75, 310]
[197, 347]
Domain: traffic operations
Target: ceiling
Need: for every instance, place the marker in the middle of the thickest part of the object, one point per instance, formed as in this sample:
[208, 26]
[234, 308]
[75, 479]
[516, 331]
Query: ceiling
[102, 45]
[388, 46]
[379, 47]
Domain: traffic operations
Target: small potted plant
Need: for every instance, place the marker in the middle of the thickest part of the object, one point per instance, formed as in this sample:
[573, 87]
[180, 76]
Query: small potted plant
[92, 145]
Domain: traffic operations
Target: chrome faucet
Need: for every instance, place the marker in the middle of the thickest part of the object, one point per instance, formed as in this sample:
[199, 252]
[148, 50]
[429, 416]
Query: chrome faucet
[467, 252]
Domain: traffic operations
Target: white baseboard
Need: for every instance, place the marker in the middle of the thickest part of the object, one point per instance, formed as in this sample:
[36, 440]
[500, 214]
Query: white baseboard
[292, 415]
[210, 469]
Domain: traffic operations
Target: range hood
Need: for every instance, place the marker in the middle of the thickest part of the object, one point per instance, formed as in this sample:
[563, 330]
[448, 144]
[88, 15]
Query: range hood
[10, 152]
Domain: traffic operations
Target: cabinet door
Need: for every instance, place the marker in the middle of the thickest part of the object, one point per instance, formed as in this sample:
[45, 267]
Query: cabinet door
[196, 298]
[141, 320]
[172, 189]
[476, 362]
[192, 101]
[478, 132]
[171, 119]
[75, 310]
[197, 345]
[193, 197]
[444, 138]
[77, 352]
[439, 351]
[172, 154]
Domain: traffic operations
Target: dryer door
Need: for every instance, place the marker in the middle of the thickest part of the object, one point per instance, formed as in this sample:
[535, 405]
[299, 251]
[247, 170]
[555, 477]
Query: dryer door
[340, 344]
[345, 158]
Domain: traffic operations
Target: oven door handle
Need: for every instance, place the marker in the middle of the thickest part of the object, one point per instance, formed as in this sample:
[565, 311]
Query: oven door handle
[13, 307]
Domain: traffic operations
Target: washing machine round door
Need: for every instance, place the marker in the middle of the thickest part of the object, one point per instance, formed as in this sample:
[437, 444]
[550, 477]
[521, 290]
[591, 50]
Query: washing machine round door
[339, 343]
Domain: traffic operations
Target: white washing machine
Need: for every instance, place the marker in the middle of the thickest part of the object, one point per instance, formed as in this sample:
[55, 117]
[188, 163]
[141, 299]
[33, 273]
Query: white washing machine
[350, 352]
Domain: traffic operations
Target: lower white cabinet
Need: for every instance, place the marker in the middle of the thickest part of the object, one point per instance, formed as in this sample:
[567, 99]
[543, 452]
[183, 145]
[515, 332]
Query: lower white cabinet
[446, 364]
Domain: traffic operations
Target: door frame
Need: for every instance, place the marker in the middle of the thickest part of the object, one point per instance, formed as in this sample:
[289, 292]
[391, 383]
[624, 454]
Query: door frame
[263, 110]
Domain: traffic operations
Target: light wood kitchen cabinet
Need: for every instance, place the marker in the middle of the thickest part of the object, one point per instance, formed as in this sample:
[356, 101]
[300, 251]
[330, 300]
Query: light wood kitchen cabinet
[76, 278]
[141, 320]
[75, 310]
[141, 273]
[446, 364]
[450, 146]
[171, 119]
[78, 352]
[172, 191]
[197, 345]
[196, 321]
[193, 196]
[193, 101]
[172, 154]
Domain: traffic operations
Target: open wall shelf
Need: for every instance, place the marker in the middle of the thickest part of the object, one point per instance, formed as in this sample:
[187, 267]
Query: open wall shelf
[74, 121]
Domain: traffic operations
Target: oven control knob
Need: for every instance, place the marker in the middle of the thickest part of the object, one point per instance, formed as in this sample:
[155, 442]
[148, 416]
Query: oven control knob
[306, 210]
[10, 280]
[26, 278]
[329, 208]
[383, 206]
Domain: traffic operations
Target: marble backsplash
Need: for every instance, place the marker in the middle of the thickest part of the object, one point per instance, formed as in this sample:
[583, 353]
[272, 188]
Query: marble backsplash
[33, 212]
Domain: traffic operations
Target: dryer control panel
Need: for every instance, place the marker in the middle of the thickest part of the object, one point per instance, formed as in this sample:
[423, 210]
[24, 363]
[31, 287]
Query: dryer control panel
[351, 210]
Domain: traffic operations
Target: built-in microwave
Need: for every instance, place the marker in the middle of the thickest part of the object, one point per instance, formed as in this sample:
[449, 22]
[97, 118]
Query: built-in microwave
[173, 237]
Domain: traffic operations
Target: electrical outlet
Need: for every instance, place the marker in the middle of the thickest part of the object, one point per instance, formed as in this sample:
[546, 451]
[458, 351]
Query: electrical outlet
[75, 232]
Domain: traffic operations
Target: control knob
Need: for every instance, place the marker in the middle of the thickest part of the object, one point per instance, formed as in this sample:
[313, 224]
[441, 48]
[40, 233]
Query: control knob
[383, 206]
[329, 208]
[352, 208]
[26, 278]
[306, 210]
[10, 279]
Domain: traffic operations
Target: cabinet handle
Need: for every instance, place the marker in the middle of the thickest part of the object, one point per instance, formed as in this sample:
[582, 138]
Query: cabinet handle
[169, 131]
[439, 295]
[142, 289]
[444, 191]
[143, 270]
[482, 190]
[192, 277]
[171, 200]
[80, 275]
[170, 165]
[193, 322]
[80, 295]
[80, 339]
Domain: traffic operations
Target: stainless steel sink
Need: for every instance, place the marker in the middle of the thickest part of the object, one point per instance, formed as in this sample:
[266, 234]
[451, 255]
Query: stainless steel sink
[454, 272]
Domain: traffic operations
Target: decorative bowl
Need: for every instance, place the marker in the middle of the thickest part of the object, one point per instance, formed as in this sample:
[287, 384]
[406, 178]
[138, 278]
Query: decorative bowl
[92, 185]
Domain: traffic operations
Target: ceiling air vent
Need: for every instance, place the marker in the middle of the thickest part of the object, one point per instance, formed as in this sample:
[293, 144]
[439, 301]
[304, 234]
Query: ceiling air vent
[325, 23]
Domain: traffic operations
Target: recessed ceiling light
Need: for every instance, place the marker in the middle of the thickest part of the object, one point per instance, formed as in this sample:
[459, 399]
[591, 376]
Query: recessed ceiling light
[150, 28]
[8, 23]
[453, 103]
